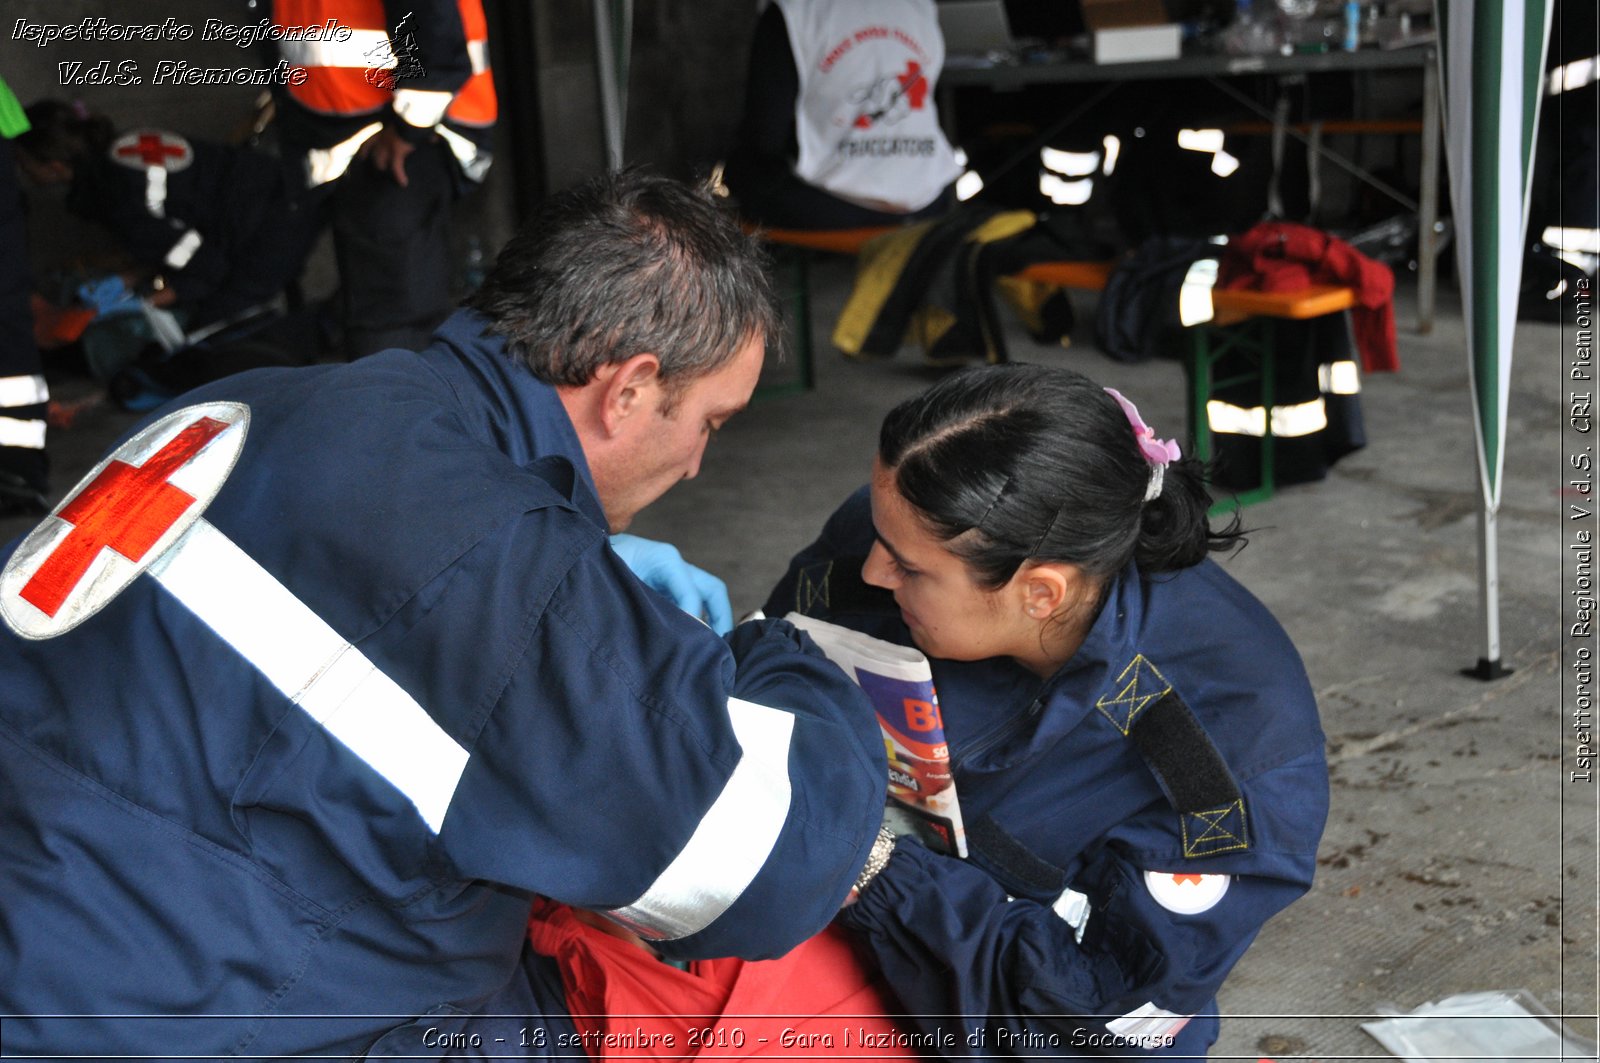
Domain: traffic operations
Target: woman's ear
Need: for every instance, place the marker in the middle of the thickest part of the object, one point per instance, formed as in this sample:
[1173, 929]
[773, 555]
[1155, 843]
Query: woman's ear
[1049, 587]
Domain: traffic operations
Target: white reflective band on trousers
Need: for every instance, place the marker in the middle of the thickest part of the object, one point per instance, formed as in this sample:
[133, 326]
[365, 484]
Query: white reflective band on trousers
[1339, 378]
[365, 49]
[314, 667]
[23, 390]
[734, 838]
[327, 164]
[16, 432]
[1301, 419]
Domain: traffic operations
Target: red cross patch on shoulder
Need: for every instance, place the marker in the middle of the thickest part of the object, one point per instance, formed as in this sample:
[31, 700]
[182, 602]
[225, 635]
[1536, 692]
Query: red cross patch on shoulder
[120, 518]
[146, 148]
[1186, 892]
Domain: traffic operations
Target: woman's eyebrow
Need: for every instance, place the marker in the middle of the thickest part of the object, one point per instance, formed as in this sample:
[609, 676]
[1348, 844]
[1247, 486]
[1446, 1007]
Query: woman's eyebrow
[887, 545]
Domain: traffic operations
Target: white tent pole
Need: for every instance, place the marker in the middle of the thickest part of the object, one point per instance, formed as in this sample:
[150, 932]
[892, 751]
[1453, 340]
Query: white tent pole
[1489, 665]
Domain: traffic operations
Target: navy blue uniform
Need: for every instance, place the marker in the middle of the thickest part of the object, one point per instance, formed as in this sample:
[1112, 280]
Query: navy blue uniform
[293, 766]
[219, 223]
[1133, 819]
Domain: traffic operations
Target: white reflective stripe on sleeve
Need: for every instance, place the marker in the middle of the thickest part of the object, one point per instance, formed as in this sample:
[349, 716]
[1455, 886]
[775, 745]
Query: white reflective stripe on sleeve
[1149, 1026]
[155, 191]
[364, 48]
[1301, 419]
[184, 249]
[1339, 378]
[478, 55]
[15, 432]
[422, 108]
[23, 390]
[1073, 907]
[734, 838]
[328, 164]
[314, 667]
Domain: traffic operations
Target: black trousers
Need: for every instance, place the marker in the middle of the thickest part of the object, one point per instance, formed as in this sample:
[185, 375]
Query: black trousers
[392, 245]
[23, 464]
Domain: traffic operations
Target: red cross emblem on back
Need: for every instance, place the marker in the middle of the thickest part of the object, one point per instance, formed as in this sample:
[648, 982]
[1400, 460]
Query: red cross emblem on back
[146, 148]
[126, 508]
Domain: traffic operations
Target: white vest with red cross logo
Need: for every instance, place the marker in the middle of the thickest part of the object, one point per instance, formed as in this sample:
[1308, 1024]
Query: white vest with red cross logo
[865, 118]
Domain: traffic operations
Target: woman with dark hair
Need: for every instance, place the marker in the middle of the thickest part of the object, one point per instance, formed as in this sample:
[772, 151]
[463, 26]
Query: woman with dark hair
[1131, 735]
[1133, 739]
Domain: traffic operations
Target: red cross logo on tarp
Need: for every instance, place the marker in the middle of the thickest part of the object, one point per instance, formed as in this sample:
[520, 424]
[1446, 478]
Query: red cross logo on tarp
[127, 508]
[151, 149]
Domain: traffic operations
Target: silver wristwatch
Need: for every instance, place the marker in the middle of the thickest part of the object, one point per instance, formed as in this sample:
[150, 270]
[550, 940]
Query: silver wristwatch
[882, 849]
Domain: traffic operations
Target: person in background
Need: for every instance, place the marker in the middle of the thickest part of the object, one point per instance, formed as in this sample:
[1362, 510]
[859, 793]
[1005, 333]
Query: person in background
[326, 671]
[1133, 739]
[389, 128]
[24, 463]
[216, 233]
[840, 127]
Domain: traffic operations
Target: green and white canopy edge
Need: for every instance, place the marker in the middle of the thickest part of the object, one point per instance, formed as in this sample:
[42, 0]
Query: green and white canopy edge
[1492, 56]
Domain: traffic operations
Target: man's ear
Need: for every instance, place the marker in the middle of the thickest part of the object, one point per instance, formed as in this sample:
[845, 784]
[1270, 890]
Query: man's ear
[629, 388]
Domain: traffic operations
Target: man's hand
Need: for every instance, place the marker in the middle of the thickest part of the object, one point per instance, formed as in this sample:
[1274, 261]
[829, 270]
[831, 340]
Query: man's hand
[387, 150]
[660, 566]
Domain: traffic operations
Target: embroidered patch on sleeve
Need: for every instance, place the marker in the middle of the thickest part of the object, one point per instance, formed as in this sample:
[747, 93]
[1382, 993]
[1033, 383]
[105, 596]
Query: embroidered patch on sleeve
[1214, 830]
[1139, 685]
[812, 588]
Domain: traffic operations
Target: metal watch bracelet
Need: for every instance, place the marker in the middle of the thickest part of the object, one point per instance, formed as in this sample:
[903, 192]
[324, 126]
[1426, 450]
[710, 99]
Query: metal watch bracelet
[877, 858]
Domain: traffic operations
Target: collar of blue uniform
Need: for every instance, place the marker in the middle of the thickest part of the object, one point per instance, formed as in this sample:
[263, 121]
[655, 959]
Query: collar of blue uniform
[1107, 648]
[503, 402]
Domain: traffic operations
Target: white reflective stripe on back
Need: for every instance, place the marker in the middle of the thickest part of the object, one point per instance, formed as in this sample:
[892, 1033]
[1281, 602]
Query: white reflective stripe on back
[15, 432]
[734, 838]
[23, 390]
[478, 55]
[1149, 1026]
[352, 52]
[1073, 907]
[1288, 422]
[155, 191]
[314, 667]
[182, 251]
[423, 108]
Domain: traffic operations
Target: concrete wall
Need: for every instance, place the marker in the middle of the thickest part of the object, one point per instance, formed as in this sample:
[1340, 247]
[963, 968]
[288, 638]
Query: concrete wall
[685, 84]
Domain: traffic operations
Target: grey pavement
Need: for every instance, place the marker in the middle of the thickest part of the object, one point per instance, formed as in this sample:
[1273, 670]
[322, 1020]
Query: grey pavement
[1459, 855]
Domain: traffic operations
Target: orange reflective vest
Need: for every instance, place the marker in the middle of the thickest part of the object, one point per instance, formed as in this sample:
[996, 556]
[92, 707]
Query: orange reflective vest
[365, 67]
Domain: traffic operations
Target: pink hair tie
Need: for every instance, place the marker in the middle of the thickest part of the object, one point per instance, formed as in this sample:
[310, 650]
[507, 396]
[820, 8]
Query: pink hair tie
[1158, 452]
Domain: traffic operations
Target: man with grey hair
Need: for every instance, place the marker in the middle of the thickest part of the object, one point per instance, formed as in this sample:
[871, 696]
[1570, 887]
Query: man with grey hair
[325, 672]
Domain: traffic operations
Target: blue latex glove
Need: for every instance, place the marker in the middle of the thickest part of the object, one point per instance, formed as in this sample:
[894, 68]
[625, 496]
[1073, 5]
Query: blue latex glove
[660, 567]
[108, 295]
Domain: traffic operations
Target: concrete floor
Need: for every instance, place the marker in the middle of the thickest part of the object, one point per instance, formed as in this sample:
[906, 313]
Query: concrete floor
[1458, 856]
